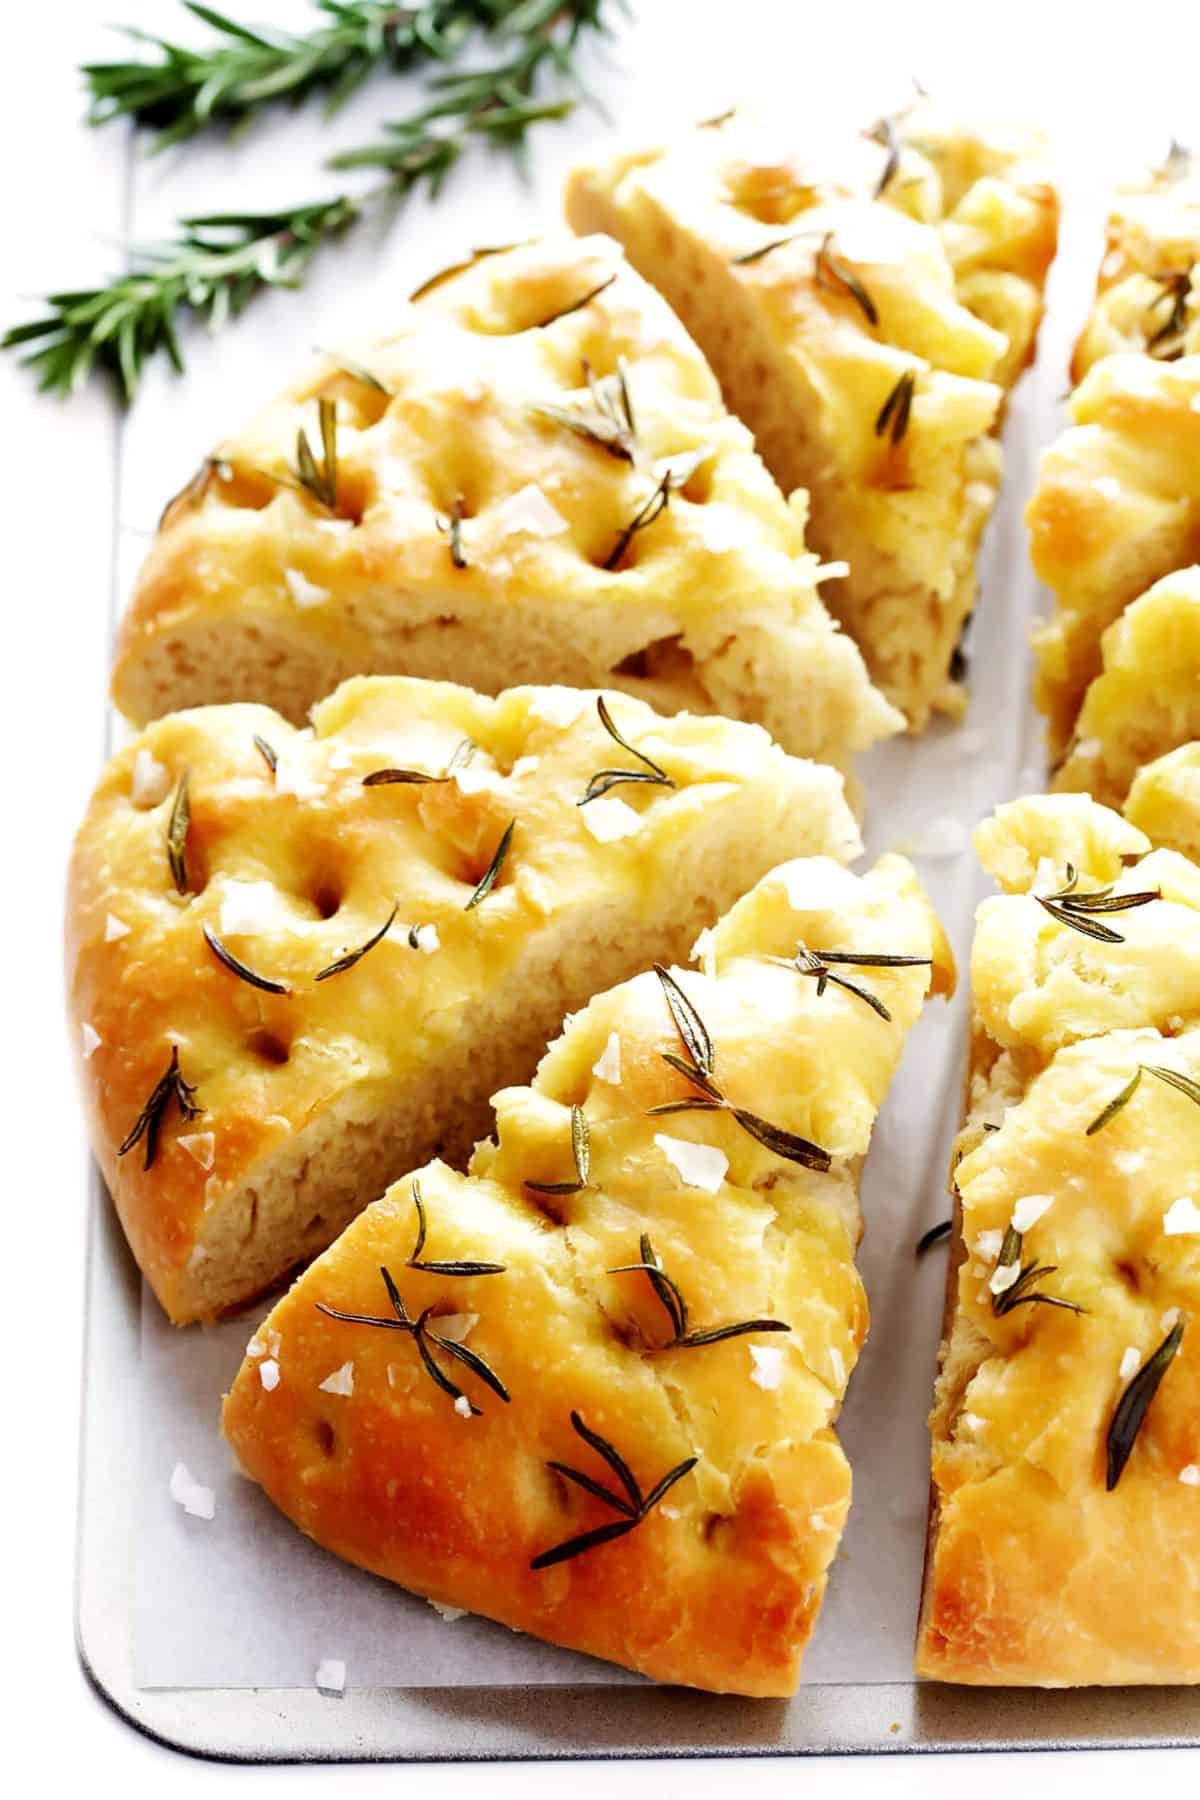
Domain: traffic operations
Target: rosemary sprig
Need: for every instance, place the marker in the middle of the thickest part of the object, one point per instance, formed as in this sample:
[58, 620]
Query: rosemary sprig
[423, 1337]
[491, 874]
[574, 306]
[214, 263]
[236, 967]
[608, 421]
[667, 1291]
[452, 527]
[169, 1087]
[1131, 1409]
[450, 270]
[267, 751]
[632, 1506]
[1165, 340]
[676, 475]
[1183, 1084]
[356, 372]
[833, 274]
[753, 256]
[604, 780]
[816, 963]
[1069, 907]
[699, 1070]
[319, 478]
[196, 487]
[179, 823]
[581, 1151]
[1021, 1291]
[933, 1236]
[353, 956]
[225, 82]
[463, 753]
[442, 1268]
[894, 414]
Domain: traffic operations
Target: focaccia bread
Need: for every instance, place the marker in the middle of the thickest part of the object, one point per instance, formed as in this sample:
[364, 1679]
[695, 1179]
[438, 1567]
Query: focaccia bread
[299, 980]
[1146, 699]
[531, 478]
[1117, 506]
[865, 308]
[1144, 297]
[621, 1438]
[1065, 1535]
[1164, 801]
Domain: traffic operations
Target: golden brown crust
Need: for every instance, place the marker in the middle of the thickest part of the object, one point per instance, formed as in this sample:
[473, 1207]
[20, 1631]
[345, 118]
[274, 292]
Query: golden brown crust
[256, 590]
[720, 1584]
[1037, 1574]
[814, 302]
[313, 1099]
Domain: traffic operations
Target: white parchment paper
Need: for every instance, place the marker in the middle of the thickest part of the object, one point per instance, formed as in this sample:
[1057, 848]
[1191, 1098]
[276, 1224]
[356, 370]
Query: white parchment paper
[245, 1600]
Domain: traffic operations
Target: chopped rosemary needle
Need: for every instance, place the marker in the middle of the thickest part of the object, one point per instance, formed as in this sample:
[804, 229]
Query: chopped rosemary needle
[608, 421]
[267, 751]
[452, 527]
[491, 874]
[667, 1291]
[236, 967]
[1183, 1084]
[442, 1268]
[753, 256]
[356, 372]
[646, 514]
[631, 1505]
[463, 753]
[319, 478]
[933, 1236]
[1020, 1290]
[835, 275]
[606, 779]
[1070, 907]
[169, 1087]
[353, 956]
[1165, 340]
[581, 1150]
[1116, 1104]
[884, 132]
[460, 268]
[816, 963]
[1134, 1404]
[423, 1336]
[576, 305]
[893, 418]
[178, 825]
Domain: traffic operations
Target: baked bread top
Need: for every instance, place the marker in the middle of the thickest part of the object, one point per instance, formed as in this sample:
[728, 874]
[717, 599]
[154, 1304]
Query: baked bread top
[1065, 1544]
[531, 477]
[865, 306]
[1164, 801]
[427, 926]
[460, 1492]
[1144, 300]
[1117, 506]
[1146, 699]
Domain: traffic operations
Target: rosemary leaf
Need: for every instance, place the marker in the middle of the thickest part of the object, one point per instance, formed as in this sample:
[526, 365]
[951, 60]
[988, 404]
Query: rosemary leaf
[1183, 1084]
[894, 414]
[319, 478]
[783, 1143]
[587, 1540]
[267, 751]
[933, 1236]
[604, 780]
[238, 968]
[178, 825]
[612, 1457]
[688, 1023]
[356, 372]
[460, 268]
[458, 1268]
[608, 421]
[753, 256]
[576, 305]
[148, 1125]
[490, 876]
[834, 274]
[1134, 1404]
[353, 956]
[452, 527]
[646, 514]
[423, 1337]
[1115, 1105]
[591, 1486]
[581, 1150]
[884, 132]
[633, 1509]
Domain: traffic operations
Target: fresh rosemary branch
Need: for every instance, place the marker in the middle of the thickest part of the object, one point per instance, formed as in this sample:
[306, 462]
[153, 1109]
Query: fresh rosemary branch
[1134, 1404]
[442, 1268]
[670, 1297]
[423, 1337]
[1020, 1290]
[148, 1125]
[606, 779]
[215, 263]
[185, 90]
[631, 1506]
[1070, 907]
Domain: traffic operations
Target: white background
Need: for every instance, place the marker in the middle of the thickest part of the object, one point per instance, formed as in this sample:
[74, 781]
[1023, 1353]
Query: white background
[78, 486]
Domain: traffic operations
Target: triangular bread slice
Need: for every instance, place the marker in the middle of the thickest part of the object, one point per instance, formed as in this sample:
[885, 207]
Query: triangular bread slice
[866, 307]
[621, 1440]
[532, 477]
[1116, 507]
[424, 876]
[1146, 699]
[1065, 1537]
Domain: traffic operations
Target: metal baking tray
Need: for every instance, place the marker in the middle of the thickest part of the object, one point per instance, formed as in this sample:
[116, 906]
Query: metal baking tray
[430, 1724]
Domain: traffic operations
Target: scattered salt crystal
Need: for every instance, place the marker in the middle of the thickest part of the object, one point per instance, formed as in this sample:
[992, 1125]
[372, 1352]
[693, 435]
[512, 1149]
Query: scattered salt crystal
[450, 1613]
[196, 1500]
[1190, 1476]
[150, 780]
[268, 1374]
[831, 571]
[90, 1039]
[462, 1407]
[334, 527]
[1029, 1210]
[200, 1146]
[455, 1326]
[525, 765]
[558, 705]
[1128, 1162]
[291, 778]
[988, 1244]
[341, 1381]
[698, 1165]
[817, 883]
[114, 928]
[722, 529]
[1183, 1218]
[1107, 486]
[528, 510]
[330, 1677]
[1131, 1362]
[1088, 748]
[837, 1363]
[767, 1369]
[471, 779]
[1194, 403]
[670, 1512]
[248, 907]
[610, 818]
[607, 1067]
[341, 758]
[972, 1421]
[427, 939]
[303, 591]
[265, 1342]
[1003, 1277]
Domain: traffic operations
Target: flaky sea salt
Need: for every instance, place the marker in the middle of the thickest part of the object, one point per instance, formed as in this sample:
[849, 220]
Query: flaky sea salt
[817, 883]
[470, 778]
[330, 1677]
[831, 571]
[766, 1366]
[837, 1363]
[610, 818]
[529, 511]
[1131, 1362]
[248, 907]
[558, 706]
[200, 1146]
[1003, 1277]
[303, 591]
[1190, 1476]
[427, 939]
[1169, 1320]
[341, 1381]
[525, 765]
[457, 1327]
[292, 778]
[268, 1374]
[149, 782]
[1183, 1218]
[198, 1501]
[1107, 486]
[697, 1165]
[448, 1613]
[89, 1039]
[462, 1407]
[1030, 1209]
[607, 1067]
[114, 928]
[989, 1244]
